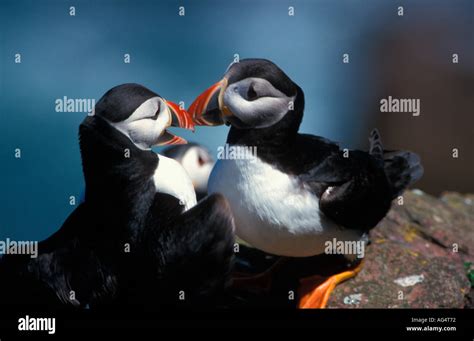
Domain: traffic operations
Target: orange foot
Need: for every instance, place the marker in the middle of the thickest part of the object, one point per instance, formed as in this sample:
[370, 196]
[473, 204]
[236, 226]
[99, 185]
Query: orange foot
[317, 297]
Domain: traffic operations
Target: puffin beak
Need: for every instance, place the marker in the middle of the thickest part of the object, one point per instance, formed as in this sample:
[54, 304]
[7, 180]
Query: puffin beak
[178, 118]
[208, 108]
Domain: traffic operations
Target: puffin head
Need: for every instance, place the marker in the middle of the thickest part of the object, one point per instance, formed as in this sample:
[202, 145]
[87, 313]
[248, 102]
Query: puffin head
[253, 94]
[142, 115]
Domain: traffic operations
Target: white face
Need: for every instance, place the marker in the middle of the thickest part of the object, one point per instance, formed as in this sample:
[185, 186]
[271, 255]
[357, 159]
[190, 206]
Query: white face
[147, 123]
[256, 102]
[198, 164]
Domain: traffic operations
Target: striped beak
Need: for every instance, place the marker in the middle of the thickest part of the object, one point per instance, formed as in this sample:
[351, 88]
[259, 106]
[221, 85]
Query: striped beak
[178, 118]
[208, 108]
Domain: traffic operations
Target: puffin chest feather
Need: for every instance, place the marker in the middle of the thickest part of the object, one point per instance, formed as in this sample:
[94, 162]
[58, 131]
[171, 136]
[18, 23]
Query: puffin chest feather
[259, 191]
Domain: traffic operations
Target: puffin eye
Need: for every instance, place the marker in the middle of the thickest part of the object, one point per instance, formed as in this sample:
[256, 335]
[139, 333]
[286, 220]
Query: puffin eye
[251, 93]
[155, 117]
[200, 161]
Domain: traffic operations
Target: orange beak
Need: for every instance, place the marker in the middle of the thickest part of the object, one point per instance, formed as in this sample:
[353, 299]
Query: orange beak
[179, 118]
[208, 108]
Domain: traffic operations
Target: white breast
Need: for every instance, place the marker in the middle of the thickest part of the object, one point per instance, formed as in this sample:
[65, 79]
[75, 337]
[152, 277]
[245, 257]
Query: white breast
[171, 178]
[274, 211]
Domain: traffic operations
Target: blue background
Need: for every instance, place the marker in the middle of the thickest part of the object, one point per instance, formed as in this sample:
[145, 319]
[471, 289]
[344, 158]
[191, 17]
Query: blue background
[177, 57]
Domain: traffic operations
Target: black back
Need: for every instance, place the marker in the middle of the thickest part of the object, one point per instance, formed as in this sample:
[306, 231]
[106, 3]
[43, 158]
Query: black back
[118, 176]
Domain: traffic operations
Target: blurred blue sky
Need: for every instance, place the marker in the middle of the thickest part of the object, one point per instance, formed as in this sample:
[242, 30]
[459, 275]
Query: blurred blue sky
[177, 57]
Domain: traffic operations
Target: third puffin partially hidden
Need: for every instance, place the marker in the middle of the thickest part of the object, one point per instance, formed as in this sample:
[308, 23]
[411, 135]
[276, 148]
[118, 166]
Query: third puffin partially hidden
[298, 191]
[196, 160]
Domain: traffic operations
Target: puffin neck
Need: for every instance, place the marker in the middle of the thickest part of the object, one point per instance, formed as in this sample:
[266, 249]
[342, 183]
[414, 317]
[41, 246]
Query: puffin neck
[112, 164]
[272, 142]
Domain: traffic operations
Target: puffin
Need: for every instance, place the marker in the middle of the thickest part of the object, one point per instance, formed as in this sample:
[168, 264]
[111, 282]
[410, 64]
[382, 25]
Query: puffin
[291, 193]
[138, 238]
[196, 160]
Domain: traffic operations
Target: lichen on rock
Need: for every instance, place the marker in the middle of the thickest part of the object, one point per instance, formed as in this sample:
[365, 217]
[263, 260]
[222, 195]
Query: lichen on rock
[417, 256]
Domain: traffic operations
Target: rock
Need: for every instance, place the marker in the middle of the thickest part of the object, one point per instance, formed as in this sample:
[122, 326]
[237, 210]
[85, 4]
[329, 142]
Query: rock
[417, 256]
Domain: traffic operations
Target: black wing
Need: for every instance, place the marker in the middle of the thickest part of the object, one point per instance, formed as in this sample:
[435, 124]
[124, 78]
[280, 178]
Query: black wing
[308, 152]
[353, 188]
[193, 254]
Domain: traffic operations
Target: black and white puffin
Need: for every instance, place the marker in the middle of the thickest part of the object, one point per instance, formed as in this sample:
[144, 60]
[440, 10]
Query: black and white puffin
[139, 236]
[197, 161]
[299, 190]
